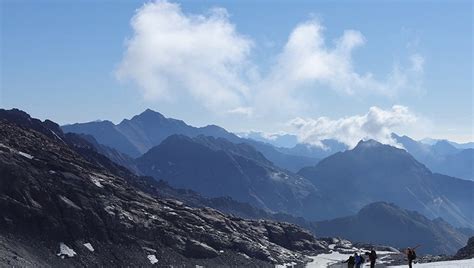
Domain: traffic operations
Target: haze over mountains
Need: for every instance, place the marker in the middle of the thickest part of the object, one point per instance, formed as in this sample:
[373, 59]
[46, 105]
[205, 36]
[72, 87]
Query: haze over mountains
[442, 156]
[216, 167]
[352, 179]
[373, 172]
[385, 223]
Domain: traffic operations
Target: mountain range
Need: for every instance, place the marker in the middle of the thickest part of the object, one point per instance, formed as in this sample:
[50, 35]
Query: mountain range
[387, 224]
[374, 172]
[217, 167]
[65, 204]
[225, 164]
[441, 156]
[222, 170]
[137, 135]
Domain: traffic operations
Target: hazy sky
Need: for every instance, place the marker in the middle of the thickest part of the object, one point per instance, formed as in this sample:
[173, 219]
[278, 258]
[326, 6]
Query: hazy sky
[329, 69]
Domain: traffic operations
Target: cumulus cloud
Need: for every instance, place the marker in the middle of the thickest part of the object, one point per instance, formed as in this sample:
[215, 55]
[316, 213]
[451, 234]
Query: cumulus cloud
[307, 60]
[247, 111]
[376, 124]
[172, 55]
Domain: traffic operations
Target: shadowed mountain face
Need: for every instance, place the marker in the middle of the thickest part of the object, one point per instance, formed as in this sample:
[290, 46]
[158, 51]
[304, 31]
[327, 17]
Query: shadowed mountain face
[441, 156]
[217, 167]
[386, 223]
[57, 190]
[466, 252]
[374, 172]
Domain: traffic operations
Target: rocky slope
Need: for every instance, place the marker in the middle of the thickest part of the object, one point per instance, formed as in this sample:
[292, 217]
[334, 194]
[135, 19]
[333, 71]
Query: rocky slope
[59, 197]
[466, 252]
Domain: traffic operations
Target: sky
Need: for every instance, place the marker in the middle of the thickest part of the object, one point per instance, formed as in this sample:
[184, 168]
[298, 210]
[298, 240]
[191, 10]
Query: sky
[318, 69]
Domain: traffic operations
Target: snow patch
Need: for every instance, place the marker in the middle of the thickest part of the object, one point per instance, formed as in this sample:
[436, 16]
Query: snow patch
[286, 265]
[6, 147]
[29, 156]
[89, 247]
[69, 202]
[152, 258]
[64, 251]
[54, 133]
[324, 260]
[149, 249]
[445, 264]
[97, 181]
[278, 176]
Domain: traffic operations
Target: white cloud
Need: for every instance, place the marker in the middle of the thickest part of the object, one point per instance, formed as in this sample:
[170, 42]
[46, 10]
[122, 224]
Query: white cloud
[247, 111]
[376, 124]
[307, 60]
[174, 55]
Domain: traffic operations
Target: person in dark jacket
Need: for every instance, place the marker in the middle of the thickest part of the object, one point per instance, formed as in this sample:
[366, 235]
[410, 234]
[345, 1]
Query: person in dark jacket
[411, 256]
[350, 262]
[372, 258]
[359, 260]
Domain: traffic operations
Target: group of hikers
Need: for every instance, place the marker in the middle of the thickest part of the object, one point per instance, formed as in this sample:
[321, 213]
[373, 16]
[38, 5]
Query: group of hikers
[357, 260]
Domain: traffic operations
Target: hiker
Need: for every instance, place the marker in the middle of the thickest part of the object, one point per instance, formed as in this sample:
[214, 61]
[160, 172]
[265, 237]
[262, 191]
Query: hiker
[372, 258]
[350, 262]
[359, 260]
[411, 256]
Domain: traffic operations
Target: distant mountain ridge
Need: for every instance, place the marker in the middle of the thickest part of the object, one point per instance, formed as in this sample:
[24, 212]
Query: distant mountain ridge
[441, 156]
[216, 167]
[387, 223]
[439, 199]
[375, 172]
[139, 134]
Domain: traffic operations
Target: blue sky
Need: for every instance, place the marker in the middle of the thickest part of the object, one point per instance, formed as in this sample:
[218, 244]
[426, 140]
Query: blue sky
[77, 61]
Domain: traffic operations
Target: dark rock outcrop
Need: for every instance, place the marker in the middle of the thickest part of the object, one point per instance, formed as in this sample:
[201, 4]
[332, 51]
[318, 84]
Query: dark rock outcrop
[466, 252]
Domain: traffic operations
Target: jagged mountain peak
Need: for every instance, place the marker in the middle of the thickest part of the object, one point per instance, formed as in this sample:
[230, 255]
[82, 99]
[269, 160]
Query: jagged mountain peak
[23, 119]
[369, 143]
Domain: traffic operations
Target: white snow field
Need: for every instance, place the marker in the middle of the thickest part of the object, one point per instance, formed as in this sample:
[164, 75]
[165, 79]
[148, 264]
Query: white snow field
[445, 264]
[333, 260]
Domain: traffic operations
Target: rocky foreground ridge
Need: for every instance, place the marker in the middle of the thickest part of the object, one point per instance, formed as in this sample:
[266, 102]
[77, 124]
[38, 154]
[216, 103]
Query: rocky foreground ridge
[64, 204]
